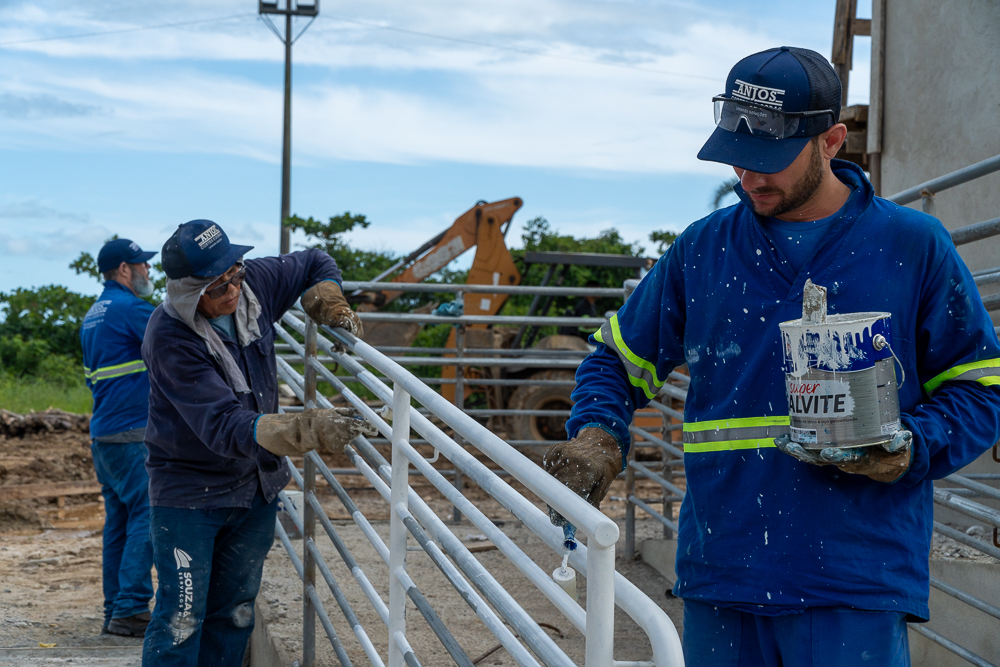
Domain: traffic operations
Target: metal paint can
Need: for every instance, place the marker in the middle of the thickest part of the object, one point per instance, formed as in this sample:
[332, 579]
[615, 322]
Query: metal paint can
[840, 380]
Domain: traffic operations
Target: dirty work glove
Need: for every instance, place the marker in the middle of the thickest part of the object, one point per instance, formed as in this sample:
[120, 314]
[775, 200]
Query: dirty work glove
[295, 433]
[883, 463]
[324, 302]
[587, 464]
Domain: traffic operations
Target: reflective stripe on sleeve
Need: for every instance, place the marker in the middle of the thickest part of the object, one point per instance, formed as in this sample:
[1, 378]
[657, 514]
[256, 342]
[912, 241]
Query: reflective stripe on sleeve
[986, 373]
[724, 435]
[641, 373]
[109, 372]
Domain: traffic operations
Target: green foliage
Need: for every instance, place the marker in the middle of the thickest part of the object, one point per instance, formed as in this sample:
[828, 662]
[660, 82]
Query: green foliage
[51, 314]
[86, 265]
[364, 265]
[24, 394]
[663, 239]
[539, 236]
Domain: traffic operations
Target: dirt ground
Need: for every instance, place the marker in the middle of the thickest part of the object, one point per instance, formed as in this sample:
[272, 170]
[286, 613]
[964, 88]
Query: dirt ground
[50, 569]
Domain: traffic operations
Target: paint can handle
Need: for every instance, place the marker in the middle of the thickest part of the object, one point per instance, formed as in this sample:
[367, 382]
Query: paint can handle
[879, 342]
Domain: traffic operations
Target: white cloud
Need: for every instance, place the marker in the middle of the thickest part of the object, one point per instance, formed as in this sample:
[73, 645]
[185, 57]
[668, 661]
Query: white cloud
[388, 96]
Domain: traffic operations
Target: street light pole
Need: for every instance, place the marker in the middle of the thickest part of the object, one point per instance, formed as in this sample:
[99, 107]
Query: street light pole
[291, 8]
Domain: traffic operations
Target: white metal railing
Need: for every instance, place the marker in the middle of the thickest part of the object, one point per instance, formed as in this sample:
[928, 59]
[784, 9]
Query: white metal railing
[411, 516]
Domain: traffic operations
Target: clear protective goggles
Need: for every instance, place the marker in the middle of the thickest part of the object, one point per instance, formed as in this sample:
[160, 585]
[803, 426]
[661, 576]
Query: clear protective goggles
[769, 123]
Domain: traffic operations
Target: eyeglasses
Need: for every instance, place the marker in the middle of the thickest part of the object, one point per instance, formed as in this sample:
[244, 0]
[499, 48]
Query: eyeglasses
[219, 291]
[768, 123]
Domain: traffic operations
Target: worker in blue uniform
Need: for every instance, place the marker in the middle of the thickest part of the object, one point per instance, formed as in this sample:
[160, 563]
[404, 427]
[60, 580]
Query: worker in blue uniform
[111, 335]
[788, 556]
[215, 443]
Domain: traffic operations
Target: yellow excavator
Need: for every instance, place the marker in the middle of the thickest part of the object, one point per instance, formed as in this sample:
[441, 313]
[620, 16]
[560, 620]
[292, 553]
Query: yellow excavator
[484, 227]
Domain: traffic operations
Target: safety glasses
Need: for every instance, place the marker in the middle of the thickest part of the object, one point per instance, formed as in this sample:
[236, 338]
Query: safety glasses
[769, 123]
[219, 291]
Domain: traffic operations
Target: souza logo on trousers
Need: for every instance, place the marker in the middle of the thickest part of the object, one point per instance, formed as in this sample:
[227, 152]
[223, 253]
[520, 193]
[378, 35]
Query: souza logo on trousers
[820, 397]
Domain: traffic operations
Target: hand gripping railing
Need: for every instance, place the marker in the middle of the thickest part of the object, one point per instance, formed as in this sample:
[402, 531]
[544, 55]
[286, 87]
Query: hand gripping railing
[410, 515]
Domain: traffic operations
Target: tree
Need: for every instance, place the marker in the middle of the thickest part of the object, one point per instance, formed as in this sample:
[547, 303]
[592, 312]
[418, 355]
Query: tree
[52, 314]
[363, 265]
[663, 239]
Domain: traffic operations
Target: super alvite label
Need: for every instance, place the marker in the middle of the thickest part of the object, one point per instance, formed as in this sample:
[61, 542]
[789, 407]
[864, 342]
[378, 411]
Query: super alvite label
[809, 398]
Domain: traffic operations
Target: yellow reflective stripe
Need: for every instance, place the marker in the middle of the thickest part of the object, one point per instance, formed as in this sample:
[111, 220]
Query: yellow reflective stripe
[727, 445]
[953, 373]
[741, 422]
[110, 372]
[756, 432]
[641, 373]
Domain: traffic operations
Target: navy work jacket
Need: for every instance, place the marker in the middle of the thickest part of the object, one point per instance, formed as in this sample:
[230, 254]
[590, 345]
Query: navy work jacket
[200, 435]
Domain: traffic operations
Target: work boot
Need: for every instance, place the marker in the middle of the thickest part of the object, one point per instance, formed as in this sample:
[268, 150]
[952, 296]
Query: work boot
[129, 626]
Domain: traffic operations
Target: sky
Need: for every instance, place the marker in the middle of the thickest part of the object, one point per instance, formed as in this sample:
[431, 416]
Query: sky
[131, 118]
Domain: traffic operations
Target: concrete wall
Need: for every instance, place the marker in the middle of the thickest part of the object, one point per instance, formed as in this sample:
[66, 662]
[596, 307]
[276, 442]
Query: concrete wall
[942, 108]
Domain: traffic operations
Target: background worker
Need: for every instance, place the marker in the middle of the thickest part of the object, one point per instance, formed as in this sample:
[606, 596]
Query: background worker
[111, 335]
[215, 446]
[807, 559]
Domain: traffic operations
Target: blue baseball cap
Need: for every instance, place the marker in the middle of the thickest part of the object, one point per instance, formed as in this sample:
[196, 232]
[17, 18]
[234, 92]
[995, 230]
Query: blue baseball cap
[121, 250]
[200, 248]
[785, 79]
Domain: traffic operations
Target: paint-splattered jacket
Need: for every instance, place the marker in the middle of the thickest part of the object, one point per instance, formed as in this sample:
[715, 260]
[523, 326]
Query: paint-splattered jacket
[200, 436]
[760, 530]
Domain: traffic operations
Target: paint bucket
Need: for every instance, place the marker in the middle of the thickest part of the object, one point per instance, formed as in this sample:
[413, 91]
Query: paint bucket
[840, 379]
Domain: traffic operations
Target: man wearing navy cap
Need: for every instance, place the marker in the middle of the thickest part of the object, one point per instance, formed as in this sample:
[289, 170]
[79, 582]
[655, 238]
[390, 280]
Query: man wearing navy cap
[788, 556]
[215, 442]
[111, 335]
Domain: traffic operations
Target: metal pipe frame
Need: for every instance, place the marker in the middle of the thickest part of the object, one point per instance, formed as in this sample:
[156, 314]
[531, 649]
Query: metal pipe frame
[414, 594]
[324, 619]
[536, 320]
[539, 641]
[950, 645]
[384, 489]
[441, 288]
[957, 177]
[666, 645]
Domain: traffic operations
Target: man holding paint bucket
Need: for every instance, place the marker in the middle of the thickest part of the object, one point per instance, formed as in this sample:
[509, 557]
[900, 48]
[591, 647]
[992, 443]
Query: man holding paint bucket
[787, 556]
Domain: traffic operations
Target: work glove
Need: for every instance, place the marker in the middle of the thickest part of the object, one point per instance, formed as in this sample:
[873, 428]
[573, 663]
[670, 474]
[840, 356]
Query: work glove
[587, 464]
[295, 433]
[885, 462]
[324, 302]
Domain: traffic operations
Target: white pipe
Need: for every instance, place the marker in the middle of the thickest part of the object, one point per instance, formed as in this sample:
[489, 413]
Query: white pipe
[397, 531]
[600, 606]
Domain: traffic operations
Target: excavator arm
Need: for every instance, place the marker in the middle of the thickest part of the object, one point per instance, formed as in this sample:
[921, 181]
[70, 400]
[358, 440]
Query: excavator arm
[482, 227]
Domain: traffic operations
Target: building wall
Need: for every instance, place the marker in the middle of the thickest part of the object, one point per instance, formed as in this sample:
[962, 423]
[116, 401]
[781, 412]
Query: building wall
[942, 108]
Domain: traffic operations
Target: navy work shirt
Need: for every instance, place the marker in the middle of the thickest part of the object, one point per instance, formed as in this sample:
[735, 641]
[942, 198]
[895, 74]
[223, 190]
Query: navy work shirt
[200, 434]
[111, 336]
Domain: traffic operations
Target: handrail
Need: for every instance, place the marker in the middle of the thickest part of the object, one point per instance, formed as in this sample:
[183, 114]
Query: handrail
[950, 180]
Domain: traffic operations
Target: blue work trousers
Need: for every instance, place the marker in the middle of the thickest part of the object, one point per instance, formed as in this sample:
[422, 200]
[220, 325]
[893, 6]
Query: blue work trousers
[209, 564]
[817, 637]
[128, 552]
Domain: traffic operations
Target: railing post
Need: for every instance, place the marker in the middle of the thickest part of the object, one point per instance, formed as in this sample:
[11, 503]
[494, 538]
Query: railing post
[667, 472]
[459, 481]
[310, 371]
[927, 202]
[629, 507]
[308, 562]
[600, 605]
[397, 530]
